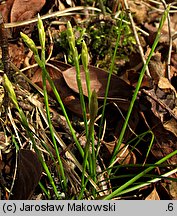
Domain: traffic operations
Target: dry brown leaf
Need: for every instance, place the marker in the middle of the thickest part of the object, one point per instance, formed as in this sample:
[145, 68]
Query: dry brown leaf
[25, 9]
[171, 126]
[115, 117]
[166, 93]
[124, 156]
[139, 11]
[69, 98]
[133, 76]
[165, 140]
[37, 77]
[60, 65]
[153, 195]
[29, 172]
[173, 190]
[98, 82]
[66, 84]
[156, 68]
[17, 54]
[5, 10]
[165, 85]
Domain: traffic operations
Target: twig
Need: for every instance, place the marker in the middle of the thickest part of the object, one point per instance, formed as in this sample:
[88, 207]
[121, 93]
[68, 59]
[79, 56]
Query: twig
[4, 46]
[170, 41]
[5, 58]
[163, 105]
[158, 3]
[115, 5]
[136, 37]
[62, 144]
[124, 21]
[65, 12]
[158, 9]
[122, 115]
[51, 45]
[102, 7]
[26, 78]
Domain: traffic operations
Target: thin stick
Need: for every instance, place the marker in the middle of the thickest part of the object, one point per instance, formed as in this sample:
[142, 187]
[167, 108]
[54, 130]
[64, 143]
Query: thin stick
[158, 9]
[138, 29]
[160, 102]
[136, 37]
[170, 41]
[5, 58]
[4, 46]
[55, 14]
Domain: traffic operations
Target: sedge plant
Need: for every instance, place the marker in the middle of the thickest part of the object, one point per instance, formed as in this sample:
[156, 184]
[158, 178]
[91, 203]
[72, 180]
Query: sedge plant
[89, 160]
[124, 187]
[9, 88]
[138, 86]
[45, 76]
[41, 63]
[89, 154]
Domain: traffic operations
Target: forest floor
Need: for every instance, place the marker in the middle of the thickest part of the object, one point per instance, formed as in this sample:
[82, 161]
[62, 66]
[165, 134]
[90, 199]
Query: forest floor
[48, 149]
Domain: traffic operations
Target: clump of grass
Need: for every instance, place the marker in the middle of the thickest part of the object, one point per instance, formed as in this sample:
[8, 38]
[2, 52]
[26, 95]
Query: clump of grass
[100, 37]
[130, 182]
[89, 181]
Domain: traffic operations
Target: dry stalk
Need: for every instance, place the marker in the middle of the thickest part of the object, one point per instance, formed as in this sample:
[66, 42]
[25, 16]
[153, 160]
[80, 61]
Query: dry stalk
[170, 40]
[136, 37]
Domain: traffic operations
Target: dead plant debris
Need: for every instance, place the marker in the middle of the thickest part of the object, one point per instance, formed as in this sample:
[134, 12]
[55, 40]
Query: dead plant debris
[154, 112]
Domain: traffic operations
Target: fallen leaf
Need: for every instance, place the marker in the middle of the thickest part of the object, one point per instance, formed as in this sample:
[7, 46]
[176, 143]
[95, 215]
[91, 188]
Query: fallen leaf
[139, 11]
[165, 85]
[165, 140]
[115, 114]
[25, 9]
[153, 195]
[173, 189]
[98, 82]
[69, 98]
[17, 54]
[133, 76]
[163, 190]
[124, 156]
[171, 126]
[156, 68]
[66, 85]
[5, 9]
[29, 172]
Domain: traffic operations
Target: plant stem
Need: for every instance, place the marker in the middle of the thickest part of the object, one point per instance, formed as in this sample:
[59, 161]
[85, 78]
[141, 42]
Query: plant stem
[137, 89]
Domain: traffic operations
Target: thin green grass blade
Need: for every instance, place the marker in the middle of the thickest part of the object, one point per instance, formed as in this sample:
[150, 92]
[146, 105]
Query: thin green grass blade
[12, 95]
[140, 138]
[139, 186]
[71, 40]
[41, 32]
[65, 114]
[44, 190]
[130, 182]
[93, 113]
[92, 108]
[84, 57]
[62, 177]
[150, 146]
[138, 87]
[107, 87]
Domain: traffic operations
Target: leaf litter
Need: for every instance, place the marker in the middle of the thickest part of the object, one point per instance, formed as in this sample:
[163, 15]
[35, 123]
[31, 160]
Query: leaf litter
[154, 110]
